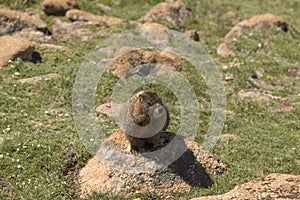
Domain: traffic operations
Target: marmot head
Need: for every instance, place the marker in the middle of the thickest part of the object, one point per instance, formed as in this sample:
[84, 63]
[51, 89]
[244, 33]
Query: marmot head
[143, 104]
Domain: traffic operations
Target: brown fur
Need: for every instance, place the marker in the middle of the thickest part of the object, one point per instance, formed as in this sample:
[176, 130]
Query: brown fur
[139, 113]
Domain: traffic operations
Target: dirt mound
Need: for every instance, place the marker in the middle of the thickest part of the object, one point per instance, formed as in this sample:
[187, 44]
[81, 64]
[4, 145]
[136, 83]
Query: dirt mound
[58, 7]
[174, 13]
[273, 186]
[12, 21]
[256, 23]
[12, 47]
[137, 57]
[114, 170]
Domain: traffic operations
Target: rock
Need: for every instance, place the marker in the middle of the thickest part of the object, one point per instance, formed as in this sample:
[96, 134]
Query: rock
[230, 114]
[170, 53]
[66, 30]
[131, 173]
[12, 21]
[174, 13]
[53, 46]
[229, 77]
[105, 8]
[273, 186]
[294, 72]
[78, 15]
[58, 7]
[261, 96]
[105, 109]
[133, 58]
[12, 47]
[226, 137]
[259, 73]
[192, 34]
[34, 36]
[36, 79]
[255, 23]
[152, 25]
[263, 84]
[223, 50]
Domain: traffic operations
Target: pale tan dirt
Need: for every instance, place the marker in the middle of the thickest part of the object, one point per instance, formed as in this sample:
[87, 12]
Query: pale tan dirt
[193, 169]
[12, 47]
[274, 186]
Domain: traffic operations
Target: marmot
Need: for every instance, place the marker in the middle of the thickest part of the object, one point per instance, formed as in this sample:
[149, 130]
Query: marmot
[145, 120]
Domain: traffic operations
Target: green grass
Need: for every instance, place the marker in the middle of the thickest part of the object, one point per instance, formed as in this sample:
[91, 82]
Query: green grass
[42, 154]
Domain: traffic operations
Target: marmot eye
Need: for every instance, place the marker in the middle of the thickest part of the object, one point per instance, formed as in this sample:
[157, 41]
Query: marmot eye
[149, 103]
[140, 98]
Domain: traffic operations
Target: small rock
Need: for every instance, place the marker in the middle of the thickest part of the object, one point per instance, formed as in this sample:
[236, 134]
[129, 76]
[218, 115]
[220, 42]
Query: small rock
[12, 47]
[12, 21]
[229, 77]
[294, 72]
[174, 13]
[58, 7]
[52, 46]
[230, 113]
[78, 15]
[192, 34]
[263, 84]
[262, 96]
[105, 8]
[226, 137]
[222, 65]
[223, 50]
[259, 73]
[66, 30]
[36, 79]
[34, 36]
[105, 109]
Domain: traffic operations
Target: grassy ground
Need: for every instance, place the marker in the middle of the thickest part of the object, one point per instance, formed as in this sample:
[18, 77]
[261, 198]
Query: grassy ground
[41, 153]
